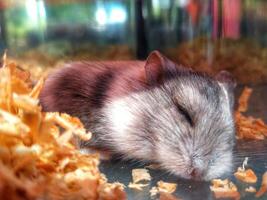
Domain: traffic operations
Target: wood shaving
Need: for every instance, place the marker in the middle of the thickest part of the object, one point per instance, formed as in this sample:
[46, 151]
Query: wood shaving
[69, 123]
[166, 187]
[153, 191]
[12, 125]
[263, 188]
[37, 160]
[163, 187]
[247, 176]
[166, 196]
[243, 100]
[250, 189]
[137, 186]
[224, 189]
[26, 103]
[37, 89]
[139, 175]
[114, 191]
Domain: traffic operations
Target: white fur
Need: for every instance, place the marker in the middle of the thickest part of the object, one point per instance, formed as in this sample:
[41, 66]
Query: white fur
[120, 117]
[225, 94]
[223, 166]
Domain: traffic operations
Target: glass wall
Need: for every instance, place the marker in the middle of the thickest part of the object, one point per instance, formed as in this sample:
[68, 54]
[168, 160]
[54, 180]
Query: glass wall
[207, 35]
[61, 30]
[211, 35]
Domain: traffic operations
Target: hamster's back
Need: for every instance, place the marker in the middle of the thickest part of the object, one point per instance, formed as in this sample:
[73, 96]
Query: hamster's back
[82, 87]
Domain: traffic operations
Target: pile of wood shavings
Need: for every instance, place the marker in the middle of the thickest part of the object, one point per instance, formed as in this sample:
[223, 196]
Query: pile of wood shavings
[37, 160]
[248, 127]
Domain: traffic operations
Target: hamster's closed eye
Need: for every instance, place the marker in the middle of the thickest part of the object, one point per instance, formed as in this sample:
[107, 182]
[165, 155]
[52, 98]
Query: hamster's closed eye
[183, 111]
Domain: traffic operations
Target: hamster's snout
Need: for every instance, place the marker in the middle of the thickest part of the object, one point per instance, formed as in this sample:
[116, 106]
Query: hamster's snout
[196, 174]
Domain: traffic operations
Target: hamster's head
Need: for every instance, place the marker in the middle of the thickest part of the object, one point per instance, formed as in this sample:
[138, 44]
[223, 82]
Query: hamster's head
[191, 119]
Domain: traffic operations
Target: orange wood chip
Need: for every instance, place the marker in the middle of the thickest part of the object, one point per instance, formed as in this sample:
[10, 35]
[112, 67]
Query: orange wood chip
[243, 99]
[224, 189]
[140, 175]
[250, 189]
[247, 176]
[263, 188]
[166, 196]
[137, 186]
[163, 187]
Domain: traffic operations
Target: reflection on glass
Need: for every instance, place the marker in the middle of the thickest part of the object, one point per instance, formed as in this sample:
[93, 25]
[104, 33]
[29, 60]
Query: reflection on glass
[212, 35]
[101, 16]
[111, 14]
[36, 15]
[72, 30]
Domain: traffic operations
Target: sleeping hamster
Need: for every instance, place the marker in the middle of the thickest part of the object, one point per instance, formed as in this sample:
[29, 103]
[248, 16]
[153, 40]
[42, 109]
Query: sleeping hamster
[153, 110]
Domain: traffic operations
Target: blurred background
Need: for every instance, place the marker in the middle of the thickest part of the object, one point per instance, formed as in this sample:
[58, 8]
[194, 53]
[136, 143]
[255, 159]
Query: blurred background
[207, 35]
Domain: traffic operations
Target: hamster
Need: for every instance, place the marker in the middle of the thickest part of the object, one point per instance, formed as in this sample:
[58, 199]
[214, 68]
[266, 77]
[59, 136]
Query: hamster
[153, 110]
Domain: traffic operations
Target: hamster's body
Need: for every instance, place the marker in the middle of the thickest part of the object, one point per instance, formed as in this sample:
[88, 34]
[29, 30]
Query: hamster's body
[154, 110]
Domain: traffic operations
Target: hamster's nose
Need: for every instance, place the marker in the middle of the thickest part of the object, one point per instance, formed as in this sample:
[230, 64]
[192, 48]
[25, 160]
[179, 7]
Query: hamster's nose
[196, 174]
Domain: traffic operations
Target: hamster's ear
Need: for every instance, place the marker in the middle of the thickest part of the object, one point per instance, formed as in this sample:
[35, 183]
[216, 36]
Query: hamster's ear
[226, 79]
[157, 66]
